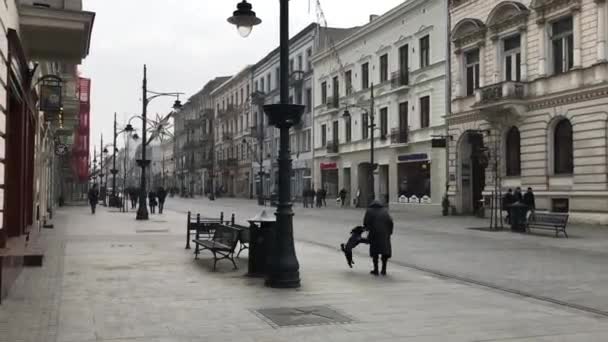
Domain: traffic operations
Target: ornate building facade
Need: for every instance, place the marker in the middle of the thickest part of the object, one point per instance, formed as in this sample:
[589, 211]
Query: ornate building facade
[529, 106]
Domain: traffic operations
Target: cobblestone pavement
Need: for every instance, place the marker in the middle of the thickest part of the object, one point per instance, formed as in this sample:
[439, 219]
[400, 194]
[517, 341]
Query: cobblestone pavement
[110, 278]
[571, 271]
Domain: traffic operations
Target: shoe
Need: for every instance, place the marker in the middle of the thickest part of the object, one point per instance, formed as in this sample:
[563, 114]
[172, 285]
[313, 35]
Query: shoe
[374, 272]
[383, 272]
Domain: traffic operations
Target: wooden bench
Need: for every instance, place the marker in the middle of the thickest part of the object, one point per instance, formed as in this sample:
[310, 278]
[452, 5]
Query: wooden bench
[222, 244]
[548, 221]
[202, 225]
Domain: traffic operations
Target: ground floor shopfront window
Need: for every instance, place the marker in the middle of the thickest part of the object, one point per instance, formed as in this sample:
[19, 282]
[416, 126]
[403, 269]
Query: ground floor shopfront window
[329, 181]
[414, 179]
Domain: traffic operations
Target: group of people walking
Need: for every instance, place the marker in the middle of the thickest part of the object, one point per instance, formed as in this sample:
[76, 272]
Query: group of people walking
[155, 198]
[312, 198]
[511, 198]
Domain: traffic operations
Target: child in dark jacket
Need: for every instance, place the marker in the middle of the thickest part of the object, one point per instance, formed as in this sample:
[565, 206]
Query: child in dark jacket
[356, 237]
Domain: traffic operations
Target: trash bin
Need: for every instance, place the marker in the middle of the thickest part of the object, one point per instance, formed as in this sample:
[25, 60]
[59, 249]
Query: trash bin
[517, 213]
[260, 230]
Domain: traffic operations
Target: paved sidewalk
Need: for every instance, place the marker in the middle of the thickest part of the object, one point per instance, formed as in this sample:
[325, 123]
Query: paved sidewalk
[111, 278]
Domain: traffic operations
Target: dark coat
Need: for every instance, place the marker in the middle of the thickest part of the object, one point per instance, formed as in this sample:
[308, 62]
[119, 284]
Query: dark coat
[152, 198]
[507, 200]
[380, 225]
[93, 195]
[162, 195]
[529, 200]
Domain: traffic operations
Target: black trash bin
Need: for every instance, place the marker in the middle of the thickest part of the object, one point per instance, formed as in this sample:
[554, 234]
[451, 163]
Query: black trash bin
[517, 213]
[260, 230]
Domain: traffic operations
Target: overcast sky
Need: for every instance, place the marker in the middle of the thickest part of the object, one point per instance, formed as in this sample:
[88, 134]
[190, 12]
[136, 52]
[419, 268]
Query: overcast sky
[185, 43]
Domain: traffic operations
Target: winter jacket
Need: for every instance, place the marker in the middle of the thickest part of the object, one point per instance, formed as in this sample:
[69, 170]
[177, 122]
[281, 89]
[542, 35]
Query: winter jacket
[380, 225]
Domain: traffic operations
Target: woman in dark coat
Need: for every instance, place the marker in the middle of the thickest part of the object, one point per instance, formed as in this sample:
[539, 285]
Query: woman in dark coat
[380, 225]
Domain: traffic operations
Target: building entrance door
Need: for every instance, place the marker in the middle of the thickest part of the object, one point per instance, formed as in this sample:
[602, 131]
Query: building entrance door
[473, 163]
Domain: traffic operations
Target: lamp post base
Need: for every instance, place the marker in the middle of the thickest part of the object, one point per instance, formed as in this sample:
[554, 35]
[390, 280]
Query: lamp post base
[142, 215]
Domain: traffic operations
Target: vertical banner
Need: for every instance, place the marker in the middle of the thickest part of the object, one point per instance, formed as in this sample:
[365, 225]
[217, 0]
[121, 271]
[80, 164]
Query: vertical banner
[80, 149]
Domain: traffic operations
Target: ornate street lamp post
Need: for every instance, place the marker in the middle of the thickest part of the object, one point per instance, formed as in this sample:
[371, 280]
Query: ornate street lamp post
[283, 268]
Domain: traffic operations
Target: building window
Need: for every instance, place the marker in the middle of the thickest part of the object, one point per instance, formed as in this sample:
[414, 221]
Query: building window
[277, 74]
[348, 82]
[365, 76]
[562, 45]
[383, 68]
[323, 135]
[512, 58]
[383, 122]
[364, 126]
[298, 96]
[269, 81]
[425, 111]
[300, 65]
[308, 99]
[336, 91]
[471, 60]
[404, 65]
[255, 86]
[513, 152]
[324, 93]
[262, 88]
[348, 129]
[291, 64]
[309, 59]
[562, 148]
[425, 51]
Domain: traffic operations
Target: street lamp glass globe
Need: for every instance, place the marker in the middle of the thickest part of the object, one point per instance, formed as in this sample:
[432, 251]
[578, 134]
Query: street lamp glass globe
[244, 18]
[244, 31]
[346, 114]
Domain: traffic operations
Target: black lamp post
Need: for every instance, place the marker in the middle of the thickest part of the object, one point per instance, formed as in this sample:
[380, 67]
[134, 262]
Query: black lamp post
[372, 127]
[142, 211]
[283, 268]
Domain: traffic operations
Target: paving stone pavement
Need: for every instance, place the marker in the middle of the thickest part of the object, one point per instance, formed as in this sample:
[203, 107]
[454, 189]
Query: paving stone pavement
[110, 278]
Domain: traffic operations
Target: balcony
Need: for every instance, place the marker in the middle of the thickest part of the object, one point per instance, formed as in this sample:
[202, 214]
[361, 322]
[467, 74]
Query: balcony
[399, 136]
[56, 30]
[333, 147]
[228, 163]
[332, 103]
[227, 136]
[507, 97]
[400, 79]
[296, 79]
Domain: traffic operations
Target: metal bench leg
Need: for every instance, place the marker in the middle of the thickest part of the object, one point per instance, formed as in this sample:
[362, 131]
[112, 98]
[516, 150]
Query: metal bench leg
[565, 234]
[233, 263]
[214, 261]
[187, 237]
[196, 251]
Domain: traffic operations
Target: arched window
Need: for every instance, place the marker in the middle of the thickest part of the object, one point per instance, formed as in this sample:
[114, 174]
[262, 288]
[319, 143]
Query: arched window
[513, 152]
[562, 148]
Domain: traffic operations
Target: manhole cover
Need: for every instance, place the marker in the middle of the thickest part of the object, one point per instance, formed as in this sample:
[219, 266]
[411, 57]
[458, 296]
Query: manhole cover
[301, 316]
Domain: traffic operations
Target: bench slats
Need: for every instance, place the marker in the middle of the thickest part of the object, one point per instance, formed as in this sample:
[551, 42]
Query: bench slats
[223, 243]
[548, 221]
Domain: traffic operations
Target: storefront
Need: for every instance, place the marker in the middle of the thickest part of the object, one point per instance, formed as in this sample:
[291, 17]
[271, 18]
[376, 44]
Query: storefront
[329, 178]
[414, 175]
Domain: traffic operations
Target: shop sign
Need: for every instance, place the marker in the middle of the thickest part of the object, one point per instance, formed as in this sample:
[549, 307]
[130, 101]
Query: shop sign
[50, 94]
[329, 166]
[413, 157]
[438, 143]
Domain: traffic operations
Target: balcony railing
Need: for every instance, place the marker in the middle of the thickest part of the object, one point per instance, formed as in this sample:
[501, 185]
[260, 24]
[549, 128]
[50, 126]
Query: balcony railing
[227, 163]
[333, 147]
[333, 102]
[399, 136]
[226, 136]
[296, 79]
[501, 91]
[400, 78]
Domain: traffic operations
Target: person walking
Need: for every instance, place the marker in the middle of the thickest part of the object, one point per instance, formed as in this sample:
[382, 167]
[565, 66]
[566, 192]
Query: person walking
[305, 198]
[507, 200]
[379, 223]
[152, 201]
[162, 195]
[358, 198]
[343, 196]
[517, 195]
[319, 198]
[133, 197]
[528, 200]
[324, 196]
[93, 196]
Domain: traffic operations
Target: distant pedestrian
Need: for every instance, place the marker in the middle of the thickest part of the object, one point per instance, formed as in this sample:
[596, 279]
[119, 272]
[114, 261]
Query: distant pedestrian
[508, 200]
[343, 196]
[93, 196]
[162, 195]
[358, 198]
[324, 196]
[319, 198]
[518, 195]
[152, 201]
[133, 192]
[528, 200]
[305, 198]
[380, 226]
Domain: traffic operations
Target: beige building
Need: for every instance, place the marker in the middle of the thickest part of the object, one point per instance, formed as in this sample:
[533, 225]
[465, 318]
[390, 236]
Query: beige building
[232, 125]
[529, 106]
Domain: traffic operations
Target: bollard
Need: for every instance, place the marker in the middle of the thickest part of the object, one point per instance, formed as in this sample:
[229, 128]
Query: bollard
[232, 219]
[188, 231]
[260, 231]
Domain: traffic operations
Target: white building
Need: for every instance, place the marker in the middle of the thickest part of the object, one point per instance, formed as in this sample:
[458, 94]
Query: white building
[302, 47]
[529, 83]
[401, 56]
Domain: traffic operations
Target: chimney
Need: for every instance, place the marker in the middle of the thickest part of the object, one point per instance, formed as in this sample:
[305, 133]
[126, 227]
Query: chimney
[373, 17]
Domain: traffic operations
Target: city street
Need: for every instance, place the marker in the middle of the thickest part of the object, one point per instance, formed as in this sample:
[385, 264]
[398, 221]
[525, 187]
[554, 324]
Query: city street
[570, 271]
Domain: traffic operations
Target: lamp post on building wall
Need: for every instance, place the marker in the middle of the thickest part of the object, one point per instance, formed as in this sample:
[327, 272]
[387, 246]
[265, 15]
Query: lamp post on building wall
[372, 127]
[283, 270]
[142, 211]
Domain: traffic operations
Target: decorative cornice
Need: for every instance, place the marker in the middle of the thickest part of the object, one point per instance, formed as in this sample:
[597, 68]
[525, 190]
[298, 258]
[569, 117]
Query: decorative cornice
[547, 7]
[564, 99]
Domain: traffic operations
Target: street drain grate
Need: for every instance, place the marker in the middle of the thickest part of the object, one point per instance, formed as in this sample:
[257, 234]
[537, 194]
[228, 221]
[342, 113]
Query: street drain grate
[152, 231]
[302, 316]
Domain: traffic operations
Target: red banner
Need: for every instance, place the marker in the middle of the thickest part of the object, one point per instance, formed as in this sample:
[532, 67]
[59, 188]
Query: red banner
[80, 149]
[329, 166]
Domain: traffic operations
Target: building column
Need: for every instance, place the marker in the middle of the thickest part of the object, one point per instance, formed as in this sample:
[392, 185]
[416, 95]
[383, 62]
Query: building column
[482, 65]
[523, 33]
[542, 48]
[458, 73]
[576, 23]
[601, 30]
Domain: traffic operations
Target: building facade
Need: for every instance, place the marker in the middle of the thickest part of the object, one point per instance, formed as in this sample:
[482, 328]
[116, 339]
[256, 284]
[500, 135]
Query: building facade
[193, 141]
[302, 48]
[232, 122]
[44, 121]
[529, 84]
[389, 76]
